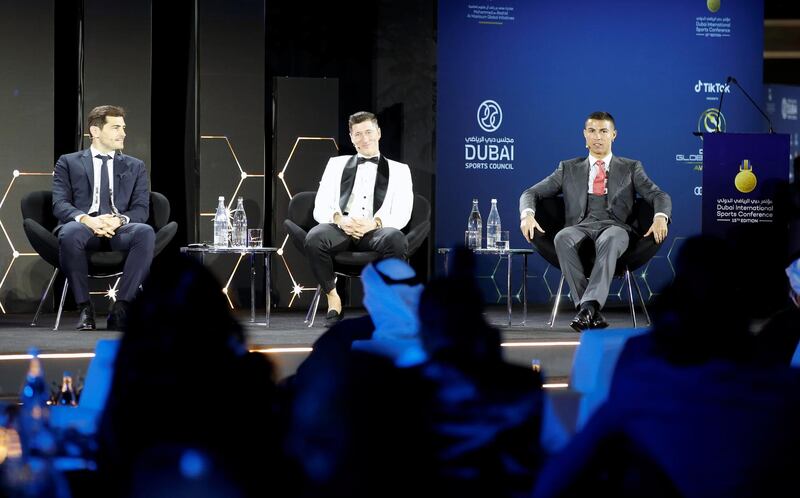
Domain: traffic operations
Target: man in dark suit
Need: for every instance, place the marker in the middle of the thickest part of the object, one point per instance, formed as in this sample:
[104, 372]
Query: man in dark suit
[101, 198]
[598, 191]
[362, 204]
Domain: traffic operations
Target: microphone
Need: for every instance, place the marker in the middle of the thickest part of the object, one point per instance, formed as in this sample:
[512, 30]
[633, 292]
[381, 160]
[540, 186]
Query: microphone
[731, 79]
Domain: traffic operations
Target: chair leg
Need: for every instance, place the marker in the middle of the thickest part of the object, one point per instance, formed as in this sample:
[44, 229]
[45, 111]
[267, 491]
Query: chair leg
[630, 296]
[552, 321]
[312, 309]
[61, 304]
[641, 300]
[44, 296]
[316, 307]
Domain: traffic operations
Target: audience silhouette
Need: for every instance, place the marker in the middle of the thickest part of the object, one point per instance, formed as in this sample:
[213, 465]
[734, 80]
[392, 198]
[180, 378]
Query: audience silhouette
[690, 399]
[485, 414]
[357, 426]
[183, 378]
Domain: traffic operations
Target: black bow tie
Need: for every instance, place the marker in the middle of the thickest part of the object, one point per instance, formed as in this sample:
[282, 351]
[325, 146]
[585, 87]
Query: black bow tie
[362, 160]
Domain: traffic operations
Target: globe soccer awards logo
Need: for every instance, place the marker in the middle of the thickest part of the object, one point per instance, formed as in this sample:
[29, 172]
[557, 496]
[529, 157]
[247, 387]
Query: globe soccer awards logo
[490, 115]
[711, 120]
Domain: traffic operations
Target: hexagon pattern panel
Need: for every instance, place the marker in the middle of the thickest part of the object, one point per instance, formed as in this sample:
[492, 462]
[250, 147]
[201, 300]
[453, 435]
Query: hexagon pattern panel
[543, 279]
[223, 174]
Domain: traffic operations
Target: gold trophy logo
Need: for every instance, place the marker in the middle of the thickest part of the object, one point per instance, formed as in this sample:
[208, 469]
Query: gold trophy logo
[745, 180]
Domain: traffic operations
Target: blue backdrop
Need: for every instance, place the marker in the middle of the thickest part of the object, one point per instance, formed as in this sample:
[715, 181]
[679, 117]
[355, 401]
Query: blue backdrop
[783, 107]
[517, 79]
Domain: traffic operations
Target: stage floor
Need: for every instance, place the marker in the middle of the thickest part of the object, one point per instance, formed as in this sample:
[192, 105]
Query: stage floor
[287, 341]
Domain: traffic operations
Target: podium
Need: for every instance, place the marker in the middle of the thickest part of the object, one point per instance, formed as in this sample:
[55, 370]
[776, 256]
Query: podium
[744, 185]
[742, 177]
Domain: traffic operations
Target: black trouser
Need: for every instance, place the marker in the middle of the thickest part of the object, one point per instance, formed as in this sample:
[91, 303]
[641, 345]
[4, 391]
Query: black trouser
[75, 239]
[326, 239]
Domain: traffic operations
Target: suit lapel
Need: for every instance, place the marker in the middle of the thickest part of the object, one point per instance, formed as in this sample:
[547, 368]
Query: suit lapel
[583, 184]
[88, 167]
[381, 184]
[348, 178]
[119, 168]
[615, 177]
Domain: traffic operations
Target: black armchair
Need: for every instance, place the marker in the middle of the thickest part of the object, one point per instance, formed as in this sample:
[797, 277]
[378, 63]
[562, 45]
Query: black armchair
[300, 219]
[550, 215]
[39, 223]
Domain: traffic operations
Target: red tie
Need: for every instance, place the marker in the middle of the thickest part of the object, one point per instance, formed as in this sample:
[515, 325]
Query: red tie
[599, 184]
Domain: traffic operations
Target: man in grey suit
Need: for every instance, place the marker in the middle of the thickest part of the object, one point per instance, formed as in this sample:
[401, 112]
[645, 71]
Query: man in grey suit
[598, 191]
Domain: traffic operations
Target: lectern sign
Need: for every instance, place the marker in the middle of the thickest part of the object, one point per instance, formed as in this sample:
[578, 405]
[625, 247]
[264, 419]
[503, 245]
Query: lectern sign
[741, 173]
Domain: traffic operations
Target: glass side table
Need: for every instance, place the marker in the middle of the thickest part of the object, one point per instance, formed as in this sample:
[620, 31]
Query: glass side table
[200, 252]
[507, 255]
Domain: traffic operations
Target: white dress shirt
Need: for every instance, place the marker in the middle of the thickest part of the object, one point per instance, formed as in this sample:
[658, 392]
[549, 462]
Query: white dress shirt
[360, 203]
[98, 167]
[593, 170]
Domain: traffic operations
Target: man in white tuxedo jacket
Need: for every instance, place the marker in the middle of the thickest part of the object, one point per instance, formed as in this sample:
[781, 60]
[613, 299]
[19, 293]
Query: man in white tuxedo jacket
[363, 203]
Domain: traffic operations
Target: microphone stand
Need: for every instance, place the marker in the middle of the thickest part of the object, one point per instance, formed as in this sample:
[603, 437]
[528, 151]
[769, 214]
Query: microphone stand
[719, 107]
[769, 121]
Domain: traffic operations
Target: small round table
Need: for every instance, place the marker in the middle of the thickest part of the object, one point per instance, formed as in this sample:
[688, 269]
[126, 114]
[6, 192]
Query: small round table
[200, 251]
[504, 254]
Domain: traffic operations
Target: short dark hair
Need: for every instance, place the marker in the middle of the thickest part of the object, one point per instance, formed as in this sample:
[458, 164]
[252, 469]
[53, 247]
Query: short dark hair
[98, 115]
[360, 117]
[602, 116]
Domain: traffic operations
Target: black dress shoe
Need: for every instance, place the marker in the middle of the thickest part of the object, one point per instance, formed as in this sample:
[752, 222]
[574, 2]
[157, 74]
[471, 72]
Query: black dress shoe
[332, 317]
[118, 317]
[86, 318]
[598, 322]
[582, 321]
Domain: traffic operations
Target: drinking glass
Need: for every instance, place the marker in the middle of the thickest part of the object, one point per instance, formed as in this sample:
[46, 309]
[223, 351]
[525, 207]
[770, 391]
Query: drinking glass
[254, 237]
[502, 243]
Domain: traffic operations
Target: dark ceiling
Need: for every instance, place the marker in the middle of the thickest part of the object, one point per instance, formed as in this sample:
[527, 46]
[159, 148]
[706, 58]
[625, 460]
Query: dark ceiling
[782, 42]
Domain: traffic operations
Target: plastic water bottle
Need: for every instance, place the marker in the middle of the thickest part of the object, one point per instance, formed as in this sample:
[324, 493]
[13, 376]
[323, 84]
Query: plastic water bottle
[493, 227]
[35, 392]
[239, 222]
[221, 224]
[31, 472]
[34, 415]
[474, 227]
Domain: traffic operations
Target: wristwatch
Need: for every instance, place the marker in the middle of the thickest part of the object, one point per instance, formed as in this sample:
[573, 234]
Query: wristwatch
[122, 219]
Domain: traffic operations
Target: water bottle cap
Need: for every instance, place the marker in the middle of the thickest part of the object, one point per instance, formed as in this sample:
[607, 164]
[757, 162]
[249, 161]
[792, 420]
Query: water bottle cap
[221, 198]
[33, 351]
[494, 201]
[474, 201]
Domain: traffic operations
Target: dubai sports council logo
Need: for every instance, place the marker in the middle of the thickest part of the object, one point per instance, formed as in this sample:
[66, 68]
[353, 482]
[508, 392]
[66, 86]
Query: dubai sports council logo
[490, 115]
